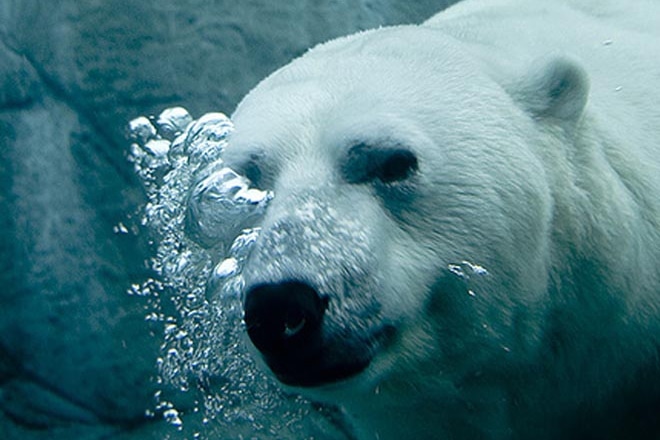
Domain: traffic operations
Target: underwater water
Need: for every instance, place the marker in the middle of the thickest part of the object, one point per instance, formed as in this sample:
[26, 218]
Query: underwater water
[203, 218]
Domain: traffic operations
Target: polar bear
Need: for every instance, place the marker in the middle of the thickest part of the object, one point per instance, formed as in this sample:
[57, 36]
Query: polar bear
[465, 236]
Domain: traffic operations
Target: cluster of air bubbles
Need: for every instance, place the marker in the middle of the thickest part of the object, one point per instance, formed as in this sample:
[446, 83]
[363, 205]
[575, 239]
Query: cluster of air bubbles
[203, 219]
[465, 269]
[222, 204]
[467, 272]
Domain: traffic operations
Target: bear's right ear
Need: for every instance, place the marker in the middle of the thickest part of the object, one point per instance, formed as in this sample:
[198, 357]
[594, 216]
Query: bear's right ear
[556, 88]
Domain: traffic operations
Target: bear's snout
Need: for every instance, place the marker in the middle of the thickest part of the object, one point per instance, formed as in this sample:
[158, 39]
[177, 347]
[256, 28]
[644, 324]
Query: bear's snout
[311, 305]
[284, 320]
[288, 323]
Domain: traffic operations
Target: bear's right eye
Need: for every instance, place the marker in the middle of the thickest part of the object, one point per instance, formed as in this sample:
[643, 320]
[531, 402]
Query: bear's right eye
[365, 163]
[252, 171]
[252, 167]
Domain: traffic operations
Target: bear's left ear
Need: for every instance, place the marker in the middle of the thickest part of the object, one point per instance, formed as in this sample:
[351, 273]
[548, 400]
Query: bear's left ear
[555, 88]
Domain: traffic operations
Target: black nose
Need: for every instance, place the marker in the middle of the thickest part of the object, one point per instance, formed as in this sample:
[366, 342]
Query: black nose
[284, 320]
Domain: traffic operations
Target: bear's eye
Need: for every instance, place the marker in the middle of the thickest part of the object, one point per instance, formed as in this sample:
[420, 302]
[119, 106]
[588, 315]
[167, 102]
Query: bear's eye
[252, 171]
[252, 167]
[365, 163]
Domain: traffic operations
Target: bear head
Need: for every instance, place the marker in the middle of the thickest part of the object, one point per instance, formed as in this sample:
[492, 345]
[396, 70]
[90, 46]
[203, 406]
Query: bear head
[407, 247]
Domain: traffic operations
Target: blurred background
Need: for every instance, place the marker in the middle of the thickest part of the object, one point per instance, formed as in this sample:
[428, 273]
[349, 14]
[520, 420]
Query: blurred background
[77, 358]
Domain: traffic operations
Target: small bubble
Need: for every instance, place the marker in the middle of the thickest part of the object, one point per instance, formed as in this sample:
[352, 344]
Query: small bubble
[456, 270]
[243, 243]
[466, 269]
[172, 416]
[226, 268]
[141, 130]
[157, 147]
[120, 228]
[252, 196]
[173, 121]
[153, 316]
[206, 138]
[233, 288]
[172, 352]
[170, 329]
[475, 268]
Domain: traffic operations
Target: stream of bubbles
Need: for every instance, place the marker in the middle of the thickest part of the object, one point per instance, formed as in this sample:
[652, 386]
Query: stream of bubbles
[202, 219]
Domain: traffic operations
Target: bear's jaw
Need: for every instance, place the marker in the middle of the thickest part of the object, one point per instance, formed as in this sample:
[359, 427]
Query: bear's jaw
[314, 373]
[334, 361]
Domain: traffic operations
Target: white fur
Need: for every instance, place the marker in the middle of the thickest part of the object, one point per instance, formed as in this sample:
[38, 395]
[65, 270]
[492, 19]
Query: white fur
[537, 129]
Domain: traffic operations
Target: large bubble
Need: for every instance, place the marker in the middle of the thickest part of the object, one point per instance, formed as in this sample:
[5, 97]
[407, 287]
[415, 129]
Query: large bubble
[203, 219]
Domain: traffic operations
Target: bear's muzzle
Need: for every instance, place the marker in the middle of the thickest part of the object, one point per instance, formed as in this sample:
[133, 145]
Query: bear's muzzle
[285, 322]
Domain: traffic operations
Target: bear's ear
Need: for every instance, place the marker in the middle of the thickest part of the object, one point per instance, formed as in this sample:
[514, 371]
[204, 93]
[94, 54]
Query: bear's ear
[555, 88]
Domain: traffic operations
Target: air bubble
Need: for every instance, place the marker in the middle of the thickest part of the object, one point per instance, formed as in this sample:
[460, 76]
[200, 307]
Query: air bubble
[221, 204]
[172, 122]
[141, 130]
[157, 147]
[226, 268]
[172, 417]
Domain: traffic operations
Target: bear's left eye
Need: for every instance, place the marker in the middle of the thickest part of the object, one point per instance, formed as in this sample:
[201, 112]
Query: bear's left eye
[365, 163]
[253, 168]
